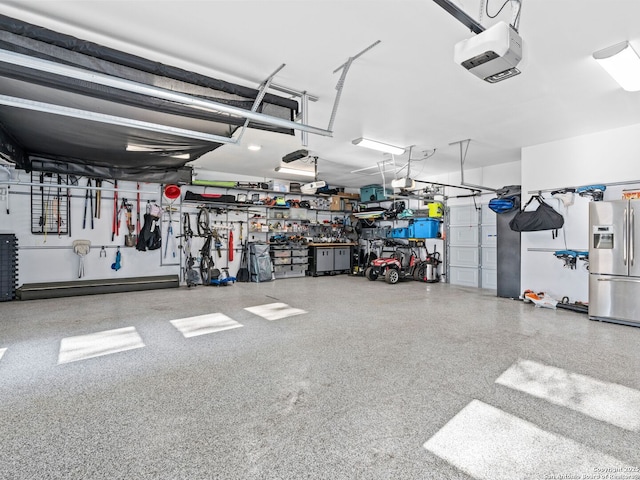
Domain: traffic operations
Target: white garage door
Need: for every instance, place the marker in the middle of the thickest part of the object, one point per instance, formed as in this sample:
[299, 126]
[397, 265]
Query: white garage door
[471, 243]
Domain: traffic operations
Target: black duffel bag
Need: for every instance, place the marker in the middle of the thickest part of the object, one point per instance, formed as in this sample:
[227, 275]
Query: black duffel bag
[544, 217]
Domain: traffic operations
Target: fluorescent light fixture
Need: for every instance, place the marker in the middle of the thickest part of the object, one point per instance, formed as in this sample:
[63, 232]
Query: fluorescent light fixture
[621, 62]
[254, 148]
[295, 171]
[381, 147]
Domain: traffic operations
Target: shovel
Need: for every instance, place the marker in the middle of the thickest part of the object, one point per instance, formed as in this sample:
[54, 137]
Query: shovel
[131, 239]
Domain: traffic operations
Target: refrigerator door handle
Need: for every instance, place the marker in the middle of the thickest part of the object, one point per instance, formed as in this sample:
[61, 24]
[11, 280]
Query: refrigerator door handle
[623, 279]
[632, 234]
[624, 237]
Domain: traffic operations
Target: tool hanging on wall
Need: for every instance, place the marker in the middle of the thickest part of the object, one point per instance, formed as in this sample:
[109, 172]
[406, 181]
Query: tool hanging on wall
[88, 202]
[58, 214]
[170, 236]
[593, 192]
[243, 271]
[91, 204]
[217, 243]
[570, 258]
[123, 207]
[130, 239]
[138, 209]
[116, 265]
[70, 180]
[114, 225]
[171, 193]
[98, 197]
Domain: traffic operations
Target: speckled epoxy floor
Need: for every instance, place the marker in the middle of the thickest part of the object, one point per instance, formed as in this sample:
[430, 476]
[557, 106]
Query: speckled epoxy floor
[352, 389]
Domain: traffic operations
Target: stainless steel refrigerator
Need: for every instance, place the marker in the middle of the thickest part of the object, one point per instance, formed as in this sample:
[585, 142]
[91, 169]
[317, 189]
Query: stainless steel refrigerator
[614, 261]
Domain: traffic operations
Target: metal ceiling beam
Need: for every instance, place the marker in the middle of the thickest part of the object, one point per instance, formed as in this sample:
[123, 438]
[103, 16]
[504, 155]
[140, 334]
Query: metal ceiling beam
[264, 86]
[151, 91]
[461, 16]
[295, 93]
[463, 157]
[345, 69]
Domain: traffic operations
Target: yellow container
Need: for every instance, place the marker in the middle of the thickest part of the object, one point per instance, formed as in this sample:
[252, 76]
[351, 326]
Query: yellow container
[436, 209]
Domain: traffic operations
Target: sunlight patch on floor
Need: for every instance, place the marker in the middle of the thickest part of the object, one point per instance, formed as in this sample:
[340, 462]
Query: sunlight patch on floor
[275, 311]
[487, 443]
[2, 350]
[204, 324]
[608, 402]
[97, 344]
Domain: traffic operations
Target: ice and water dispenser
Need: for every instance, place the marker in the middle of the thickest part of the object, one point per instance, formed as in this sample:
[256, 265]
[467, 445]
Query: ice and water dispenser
[603, 236]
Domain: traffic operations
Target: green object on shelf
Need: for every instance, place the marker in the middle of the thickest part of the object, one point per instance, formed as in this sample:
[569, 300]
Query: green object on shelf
[215, 183]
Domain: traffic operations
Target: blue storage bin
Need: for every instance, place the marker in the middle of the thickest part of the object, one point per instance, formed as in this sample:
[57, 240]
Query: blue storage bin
[402, 232]
[424, 228]
[374, 193]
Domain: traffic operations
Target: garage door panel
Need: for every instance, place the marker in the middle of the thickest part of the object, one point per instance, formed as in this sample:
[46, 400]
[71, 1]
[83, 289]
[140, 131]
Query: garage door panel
[464, 257]
[463, 235]
[489, 278]
[467, 277]
[489, 258]
[463, 215]
[489, 235]
[488, 215]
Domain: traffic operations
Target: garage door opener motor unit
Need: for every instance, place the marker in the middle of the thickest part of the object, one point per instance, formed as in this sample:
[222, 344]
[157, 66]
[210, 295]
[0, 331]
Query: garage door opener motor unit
[491, 55]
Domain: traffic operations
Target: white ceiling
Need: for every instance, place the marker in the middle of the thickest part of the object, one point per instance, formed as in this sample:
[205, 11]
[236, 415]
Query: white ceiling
[406, 91]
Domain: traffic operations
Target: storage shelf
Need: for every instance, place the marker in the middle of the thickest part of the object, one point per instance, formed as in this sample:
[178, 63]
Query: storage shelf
[289, 260]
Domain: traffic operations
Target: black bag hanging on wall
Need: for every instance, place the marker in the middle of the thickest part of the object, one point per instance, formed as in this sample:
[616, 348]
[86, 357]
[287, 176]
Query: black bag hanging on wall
[544, 217]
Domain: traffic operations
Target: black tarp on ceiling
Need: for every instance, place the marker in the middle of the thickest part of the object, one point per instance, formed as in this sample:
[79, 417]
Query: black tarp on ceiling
[64, 144]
